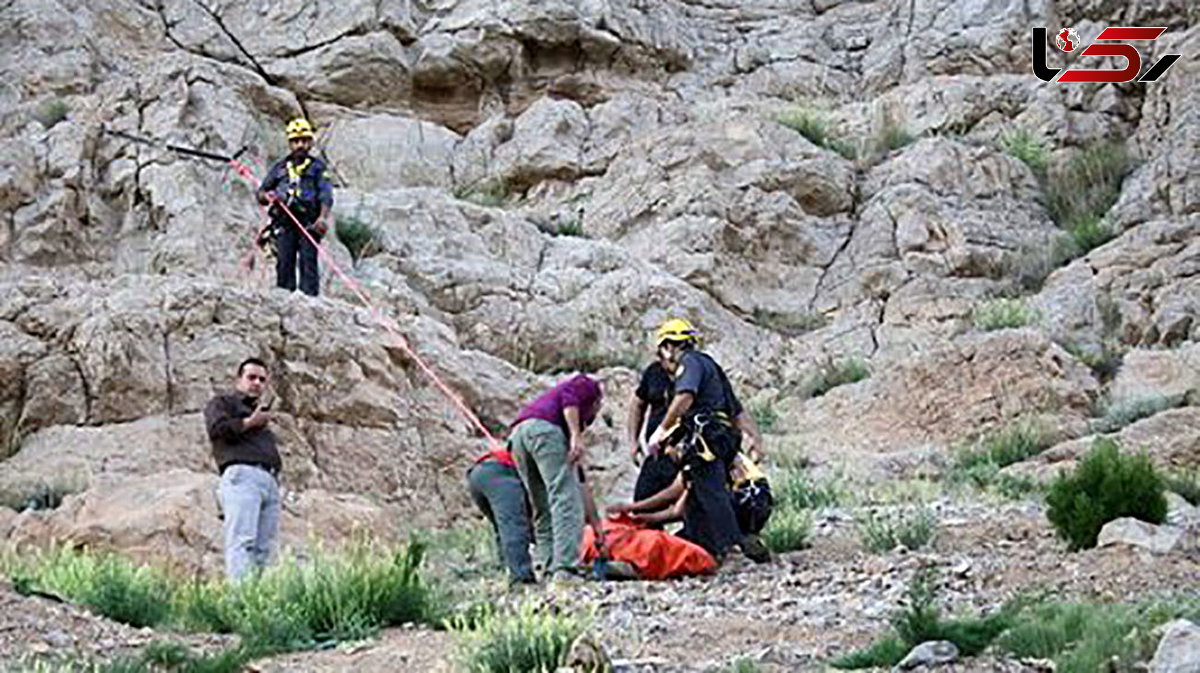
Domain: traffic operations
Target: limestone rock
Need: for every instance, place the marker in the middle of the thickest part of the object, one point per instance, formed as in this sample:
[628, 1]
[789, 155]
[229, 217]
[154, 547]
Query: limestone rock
[928, 655]
[1178, 650]
[1136, 533]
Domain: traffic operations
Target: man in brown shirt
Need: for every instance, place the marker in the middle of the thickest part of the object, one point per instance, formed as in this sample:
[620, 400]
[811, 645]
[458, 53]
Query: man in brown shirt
[248, 460]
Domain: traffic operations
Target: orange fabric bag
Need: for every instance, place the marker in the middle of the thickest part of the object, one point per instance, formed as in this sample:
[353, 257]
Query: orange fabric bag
[656, 554]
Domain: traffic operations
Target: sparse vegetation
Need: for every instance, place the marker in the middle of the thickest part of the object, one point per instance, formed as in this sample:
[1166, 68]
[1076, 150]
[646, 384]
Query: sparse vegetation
[1119, 414]
[1186, 483]
[812, 125]
[792, 488]
[107, 584]
[569, 227]
[49, 113]
[765, 416]
[893, 137]
[912, 528]
[834, 373]
[1104, 486]
[743, 665]
[1104, 361]
[788, 323]
[1023, 144]
[1003, 314]
[291, 606]
[533, 638]
[358, 236]
[1088, 637]
[492, 192]
[980, 462]
[1087, 186]
[920, 621]
[788, 529]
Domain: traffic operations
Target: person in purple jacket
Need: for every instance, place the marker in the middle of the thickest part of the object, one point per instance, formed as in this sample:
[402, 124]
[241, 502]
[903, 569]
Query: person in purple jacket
[547, 444]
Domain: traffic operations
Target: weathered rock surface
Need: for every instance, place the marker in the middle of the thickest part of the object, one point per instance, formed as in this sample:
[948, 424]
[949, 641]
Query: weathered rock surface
[1178, 650]
[1137, 533]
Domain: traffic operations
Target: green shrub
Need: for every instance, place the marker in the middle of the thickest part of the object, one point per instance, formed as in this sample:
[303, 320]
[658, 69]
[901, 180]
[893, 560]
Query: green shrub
[329, 599]
[833, 373]
[1104, 486]
[811, 124]
[1087, 637]
[107, 584]
[913, 529]
[1186, 483]
[1104, 362]
[765, 416]
[1007, 446]
[1117, 415]
[792, 487]
[534, 638]
[1088, 185]
[743, 665]
[1003, 314]
[1088, 233]
[1023, 144]
[894, 137]
[883, 653]
[920, 621]
[356, 235]
[50, 113]
[788, 529]
[492, 192]
[572, 227]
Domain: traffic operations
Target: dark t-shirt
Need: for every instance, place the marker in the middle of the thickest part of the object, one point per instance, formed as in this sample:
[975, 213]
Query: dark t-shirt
[656, 391]
[701, 376]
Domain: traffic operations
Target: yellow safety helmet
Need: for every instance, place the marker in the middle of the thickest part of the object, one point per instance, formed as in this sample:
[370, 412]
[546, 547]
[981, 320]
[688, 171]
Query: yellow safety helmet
[676, 329]
[299, 128]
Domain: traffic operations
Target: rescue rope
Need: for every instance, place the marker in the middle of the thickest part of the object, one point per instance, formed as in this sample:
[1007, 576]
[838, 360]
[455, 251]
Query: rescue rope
[244, 171]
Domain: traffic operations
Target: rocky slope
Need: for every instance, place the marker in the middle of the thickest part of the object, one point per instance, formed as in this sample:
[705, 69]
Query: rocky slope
[477, 139]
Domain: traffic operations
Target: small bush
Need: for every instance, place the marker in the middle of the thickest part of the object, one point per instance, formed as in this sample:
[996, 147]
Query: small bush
[330, 599]
[108, 585]
[1086, 637]
[1023, 144]
[743, 665]
[981, 462]
[1186, 483]
[788, 529]
[836, 373]
[491, 192]
[534, 638]
[1088, 233]
[913, 529]
[1104, 486]
[895, 137]
[1103, 362]
[356, 235]
[572, 227]
[50, 113]
[920, 621]
[1117, 415]
[765, 416]
[1003, 314]
[1088, 185]
[883, 653]
[792, 488]
[811, 124]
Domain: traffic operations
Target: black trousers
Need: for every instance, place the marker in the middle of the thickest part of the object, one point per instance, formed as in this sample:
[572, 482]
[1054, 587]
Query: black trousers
[292, 244]
[708, 516]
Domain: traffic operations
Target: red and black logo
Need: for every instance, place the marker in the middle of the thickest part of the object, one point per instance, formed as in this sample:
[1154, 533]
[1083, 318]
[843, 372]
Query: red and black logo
[1068, 40]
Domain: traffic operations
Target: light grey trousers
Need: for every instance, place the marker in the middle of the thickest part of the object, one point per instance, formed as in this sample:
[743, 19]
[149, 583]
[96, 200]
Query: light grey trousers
[250, 503]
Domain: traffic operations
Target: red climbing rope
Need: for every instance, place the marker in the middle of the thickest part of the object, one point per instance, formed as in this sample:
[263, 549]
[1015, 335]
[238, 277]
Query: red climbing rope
[244, 171]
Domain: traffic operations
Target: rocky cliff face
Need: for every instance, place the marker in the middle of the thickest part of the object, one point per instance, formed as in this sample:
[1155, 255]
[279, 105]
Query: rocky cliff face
[546, 181]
